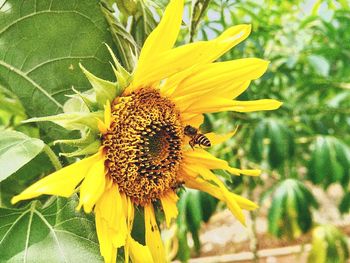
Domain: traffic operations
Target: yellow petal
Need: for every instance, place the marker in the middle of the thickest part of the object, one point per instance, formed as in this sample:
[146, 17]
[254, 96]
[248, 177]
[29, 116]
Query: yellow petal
[93, 186]
[107, 114]
[200, 184]
[161, 39]
[218, 76]
[138, 252]
[128, 210]
[169, 201]
[194, 120]
[110, 209]
[61, 183]
[234, 90]
[227, 91]
[153, 239]
[218, 104]
[228, 39]
[204, 158]
[255, 105]
[209, 177]
[250, 172]
[108, 251]
[170, 62]
[216, 139]
[235, 209]
[102, 127]
[243, 202]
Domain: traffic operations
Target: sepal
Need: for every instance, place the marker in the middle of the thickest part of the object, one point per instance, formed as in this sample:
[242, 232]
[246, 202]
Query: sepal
[123, 76]
[88, 150]
[86, 139]
[81, 102]
[104, 89]
[73, 120]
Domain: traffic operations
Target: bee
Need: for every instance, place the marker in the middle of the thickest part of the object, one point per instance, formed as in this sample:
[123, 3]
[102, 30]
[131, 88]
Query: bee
[196, 137]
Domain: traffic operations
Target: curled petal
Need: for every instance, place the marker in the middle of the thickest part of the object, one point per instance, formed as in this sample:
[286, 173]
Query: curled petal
[138, 252]
[93, 186]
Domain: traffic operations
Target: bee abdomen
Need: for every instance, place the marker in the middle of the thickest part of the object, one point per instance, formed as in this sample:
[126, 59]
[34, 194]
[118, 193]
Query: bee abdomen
[203, 140]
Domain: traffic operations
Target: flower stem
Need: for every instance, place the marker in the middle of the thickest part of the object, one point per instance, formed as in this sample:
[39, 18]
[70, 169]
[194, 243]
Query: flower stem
[53, 157]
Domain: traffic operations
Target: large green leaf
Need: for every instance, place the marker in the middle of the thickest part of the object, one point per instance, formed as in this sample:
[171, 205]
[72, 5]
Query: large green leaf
[281, 142]
[329, 245]
[55, 233]
[41, 44]
[290, 211]
[25, 176]
[16, 149]
[344, 205]
[329, 161]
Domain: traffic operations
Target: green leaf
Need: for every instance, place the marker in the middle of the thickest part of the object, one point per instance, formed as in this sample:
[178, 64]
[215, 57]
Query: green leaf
[127, 7]
[329, 162]
[290, 211]
[53, 233]
[16, 149]
[124, 41]
[10, 104]
[208, 204]
[25, 176]
[281, 142]
[104, 89]
[329, 245]
[256, 146]
[51, 38]
[194, 215]
[143, 22]
[73, 120]
[198, 9]
[344, 205]
[318, 165]
[278, 147]
[184, 250]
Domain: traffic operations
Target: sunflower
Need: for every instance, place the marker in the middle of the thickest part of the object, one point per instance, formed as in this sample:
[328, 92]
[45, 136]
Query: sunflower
[138, 153]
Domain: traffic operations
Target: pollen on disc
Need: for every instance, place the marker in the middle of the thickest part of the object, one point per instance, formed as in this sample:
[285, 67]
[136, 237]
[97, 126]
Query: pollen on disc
[143, 145]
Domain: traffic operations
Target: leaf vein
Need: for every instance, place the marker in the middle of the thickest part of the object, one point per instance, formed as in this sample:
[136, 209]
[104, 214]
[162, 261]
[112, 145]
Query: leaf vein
[31, 81]
[53, 233]
[45, 12]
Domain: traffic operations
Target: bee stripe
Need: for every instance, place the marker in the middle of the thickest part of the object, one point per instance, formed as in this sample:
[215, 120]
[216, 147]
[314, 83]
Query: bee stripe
[202, 140]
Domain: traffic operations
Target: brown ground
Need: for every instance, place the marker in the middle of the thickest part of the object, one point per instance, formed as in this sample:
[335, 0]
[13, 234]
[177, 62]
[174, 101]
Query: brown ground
[224, 235]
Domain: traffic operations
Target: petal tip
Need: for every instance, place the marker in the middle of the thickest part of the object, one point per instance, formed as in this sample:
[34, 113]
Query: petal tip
[15, 199]
[248, 28]
[278, 104]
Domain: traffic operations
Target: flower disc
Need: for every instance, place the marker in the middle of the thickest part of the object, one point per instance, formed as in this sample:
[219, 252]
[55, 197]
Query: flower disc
[143, 145]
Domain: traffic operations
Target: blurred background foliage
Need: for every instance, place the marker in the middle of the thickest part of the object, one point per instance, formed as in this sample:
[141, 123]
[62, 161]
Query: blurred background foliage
[304, 144]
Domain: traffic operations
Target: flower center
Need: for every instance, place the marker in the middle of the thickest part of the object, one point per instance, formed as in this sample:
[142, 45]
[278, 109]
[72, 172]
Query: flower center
[143, 145]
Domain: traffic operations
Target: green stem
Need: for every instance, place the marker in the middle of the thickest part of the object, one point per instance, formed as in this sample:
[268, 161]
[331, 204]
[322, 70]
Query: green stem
[53, 157]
